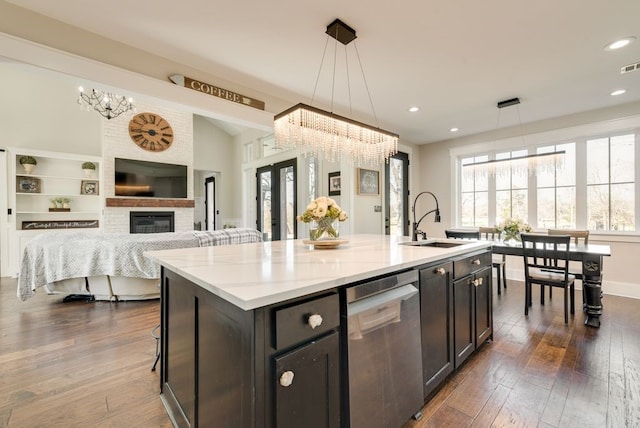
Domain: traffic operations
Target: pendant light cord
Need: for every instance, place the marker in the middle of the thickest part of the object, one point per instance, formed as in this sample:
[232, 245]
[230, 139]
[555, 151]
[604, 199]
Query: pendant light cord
[375, 117]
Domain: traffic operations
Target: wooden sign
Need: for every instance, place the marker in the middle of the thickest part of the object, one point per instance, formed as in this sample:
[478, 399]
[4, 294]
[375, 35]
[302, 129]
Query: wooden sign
[215, 91]
[59, 224]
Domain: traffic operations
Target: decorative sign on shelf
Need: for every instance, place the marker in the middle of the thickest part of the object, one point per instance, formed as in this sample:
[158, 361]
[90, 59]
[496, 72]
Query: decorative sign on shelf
[59, 224]
[215, 91]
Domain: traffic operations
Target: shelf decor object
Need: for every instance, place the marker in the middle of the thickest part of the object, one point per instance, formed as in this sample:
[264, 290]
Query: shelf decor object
[88, 168]
[28, 185]
[108, 104]
[89, 187]
[333, 136]
[28, 163]
[518, 165]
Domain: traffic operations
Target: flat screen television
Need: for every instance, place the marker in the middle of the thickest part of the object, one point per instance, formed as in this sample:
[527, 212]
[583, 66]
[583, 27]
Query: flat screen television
[150, 179]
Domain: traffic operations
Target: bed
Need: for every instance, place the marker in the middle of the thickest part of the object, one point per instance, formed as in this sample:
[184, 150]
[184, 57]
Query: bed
[108, 266]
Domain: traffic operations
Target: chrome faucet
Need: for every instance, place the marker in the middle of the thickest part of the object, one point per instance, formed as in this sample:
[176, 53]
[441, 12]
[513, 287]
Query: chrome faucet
[416, 231]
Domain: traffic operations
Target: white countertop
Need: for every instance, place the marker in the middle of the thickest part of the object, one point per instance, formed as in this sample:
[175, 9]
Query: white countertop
[255, 275]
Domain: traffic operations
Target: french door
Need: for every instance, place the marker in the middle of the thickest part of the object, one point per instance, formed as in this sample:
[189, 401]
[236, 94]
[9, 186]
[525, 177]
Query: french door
[396, 183]
[276, 198]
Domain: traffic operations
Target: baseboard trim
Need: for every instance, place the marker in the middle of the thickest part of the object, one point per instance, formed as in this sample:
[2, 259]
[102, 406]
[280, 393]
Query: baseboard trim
[613, 288]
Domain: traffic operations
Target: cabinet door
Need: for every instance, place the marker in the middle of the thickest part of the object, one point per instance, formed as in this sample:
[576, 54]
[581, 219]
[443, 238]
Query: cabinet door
[464, 319]
[312, 399]
[483, 306]
[436, 319]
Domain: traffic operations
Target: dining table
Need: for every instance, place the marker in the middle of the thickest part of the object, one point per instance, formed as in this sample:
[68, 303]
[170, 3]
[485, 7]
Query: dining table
[591, 258]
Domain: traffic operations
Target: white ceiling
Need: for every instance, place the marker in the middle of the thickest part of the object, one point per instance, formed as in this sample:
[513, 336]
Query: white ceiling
[454, 59]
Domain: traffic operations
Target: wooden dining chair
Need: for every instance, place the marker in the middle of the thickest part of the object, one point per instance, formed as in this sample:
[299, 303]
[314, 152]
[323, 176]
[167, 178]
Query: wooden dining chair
[546, 263]
[462, 234]
[499, 262]
[580, 237]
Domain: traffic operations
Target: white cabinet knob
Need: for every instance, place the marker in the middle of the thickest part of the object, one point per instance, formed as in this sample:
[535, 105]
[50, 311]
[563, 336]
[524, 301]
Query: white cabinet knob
[286, 378]
[440, 271]
[476, 262]
[314, 321]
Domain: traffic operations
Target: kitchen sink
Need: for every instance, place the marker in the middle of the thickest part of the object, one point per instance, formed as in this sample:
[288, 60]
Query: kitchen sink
[440, 244]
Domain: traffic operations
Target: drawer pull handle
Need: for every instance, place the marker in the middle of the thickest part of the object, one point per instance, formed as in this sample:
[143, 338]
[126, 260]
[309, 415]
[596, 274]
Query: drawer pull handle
[440, 271]
[476, 261]
[314, 321]
[476, 282]
[286, 378]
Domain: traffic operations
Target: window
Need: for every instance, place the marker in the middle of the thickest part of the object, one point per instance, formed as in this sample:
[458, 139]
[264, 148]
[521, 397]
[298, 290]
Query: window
[556, 197]
[594, 188]
[611, 183]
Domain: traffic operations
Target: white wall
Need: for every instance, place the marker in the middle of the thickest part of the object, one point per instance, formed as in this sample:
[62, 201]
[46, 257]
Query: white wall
[38, 110]
[214, 152]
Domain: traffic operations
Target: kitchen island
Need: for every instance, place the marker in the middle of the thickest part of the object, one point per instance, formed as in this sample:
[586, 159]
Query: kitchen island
[255, 335]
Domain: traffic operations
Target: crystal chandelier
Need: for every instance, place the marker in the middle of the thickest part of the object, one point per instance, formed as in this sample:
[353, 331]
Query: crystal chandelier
[517, 165]
[108, 104]
[326, 134]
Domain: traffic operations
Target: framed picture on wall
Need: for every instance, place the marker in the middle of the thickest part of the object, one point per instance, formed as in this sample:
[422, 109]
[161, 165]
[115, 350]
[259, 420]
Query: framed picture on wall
[334, 183]
[368, 182]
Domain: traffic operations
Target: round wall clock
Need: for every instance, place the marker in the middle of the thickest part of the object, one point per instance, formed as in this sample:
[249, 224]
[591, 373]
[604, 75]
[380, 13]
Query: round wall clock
[151, 132]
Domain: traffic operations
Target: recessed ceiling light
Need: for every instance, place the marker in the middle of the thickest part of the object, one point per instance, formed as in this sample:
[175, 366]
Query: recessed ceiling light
[453, 130]
[414, 109]
[619, 43]
[618, 92]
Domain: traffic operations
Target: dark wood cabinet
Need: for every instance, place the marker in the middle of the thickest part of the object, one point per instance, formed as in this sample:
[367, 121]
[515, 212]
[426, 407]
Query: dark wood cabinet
[464, 315]
[472, 294]
[436, 319]
[221, 366]
[312, 398]
[483, 306]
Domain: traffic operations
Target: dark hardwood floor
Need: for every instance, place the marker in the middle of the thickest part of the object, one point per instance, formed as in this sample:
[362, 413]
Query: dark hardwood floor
[88, 365]
[77, 364]
[539, 372]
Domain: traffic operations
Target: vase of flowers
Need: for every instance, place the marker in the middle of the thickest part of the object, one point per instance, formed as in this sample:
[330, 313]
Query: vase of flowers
[511, 228]
[324, 214]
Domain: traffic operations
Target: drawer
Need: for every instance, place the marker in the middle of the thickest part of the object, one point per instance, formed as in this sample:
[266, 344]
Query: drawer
[292, 323]
[469, 264]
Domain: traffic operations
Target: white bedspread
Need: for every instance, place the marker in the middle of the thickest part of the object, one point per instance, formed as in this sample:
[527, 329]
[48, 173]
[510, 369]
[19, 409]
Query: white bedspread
[55, 256]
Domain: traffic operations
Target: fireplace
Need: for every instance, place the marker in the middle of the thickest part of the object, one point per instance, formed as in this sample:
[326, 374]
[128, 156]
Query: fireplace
[151, 221]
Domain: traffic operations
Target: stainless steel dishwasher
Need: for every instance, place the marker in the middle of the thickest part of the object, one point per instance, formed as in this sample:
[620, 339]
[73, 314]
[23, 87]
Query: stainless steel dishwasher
[385, 357]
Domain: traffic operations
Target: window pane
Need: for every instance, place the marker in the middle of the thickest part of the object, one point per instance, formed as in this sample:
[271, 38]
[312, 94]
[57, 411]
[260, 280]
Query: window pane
[466, 209]
[519, 204]
[466, 183]
[598, 161]
[545, 178]
[566, 208]
[482, 209]
[622, 207]
[546, 208]
[622, 156]
[566, 175]
[503, 205]
[598, 207]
